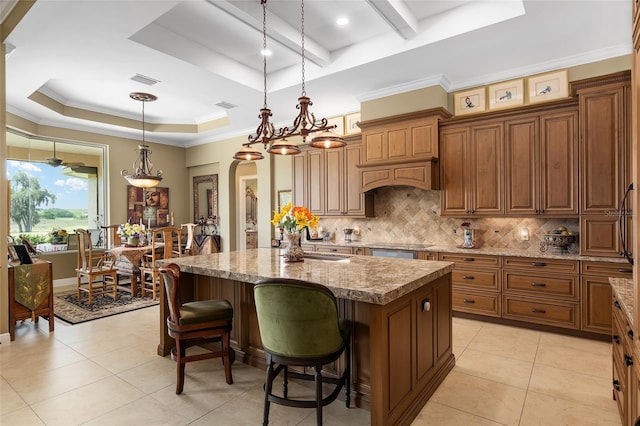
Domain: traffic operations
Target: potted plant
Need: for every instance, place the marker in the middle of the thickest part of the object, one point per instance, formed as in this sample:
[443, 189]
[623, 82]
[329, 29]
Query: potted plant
[58, 235]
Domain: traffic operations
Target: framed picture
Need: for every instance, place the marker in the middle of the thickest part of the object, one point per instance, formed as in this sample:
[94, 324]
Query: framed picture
[506, 94]
[547, 87]
[469, 101]
[339, 123]
[351, 123]
[284, 197]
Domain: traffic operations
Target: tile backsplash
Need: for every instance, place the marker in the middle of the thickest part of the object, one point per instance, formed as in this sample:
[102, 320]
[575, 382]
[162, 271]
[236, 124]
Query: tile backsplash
[410, 215]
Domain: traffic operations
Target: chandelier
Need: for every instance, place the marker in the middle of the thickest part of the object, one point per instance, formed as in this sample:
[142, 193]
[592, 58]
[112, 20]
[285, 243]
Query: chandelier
[142, 177]
[305, 123]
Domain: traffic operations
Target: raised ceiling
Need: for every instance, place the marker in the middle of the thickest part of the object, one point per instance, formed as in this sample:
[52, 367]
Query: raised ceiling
[70, 63]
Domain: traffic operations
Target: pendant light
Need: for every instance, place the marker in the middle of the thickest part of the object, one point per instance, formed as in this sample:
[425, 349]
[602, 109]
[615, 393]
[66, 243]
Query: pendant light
[142, 177]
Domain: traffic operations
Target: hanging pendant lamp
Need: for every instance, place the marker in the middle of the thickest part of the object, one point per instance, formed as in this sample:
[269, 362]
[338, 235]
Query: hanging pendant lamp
[142, 177]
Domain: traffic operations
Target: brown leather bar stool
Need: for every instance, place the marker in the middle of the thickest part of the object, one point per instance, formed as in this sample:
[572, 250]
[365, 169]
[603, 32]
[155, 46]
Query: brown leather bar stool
[196, 323]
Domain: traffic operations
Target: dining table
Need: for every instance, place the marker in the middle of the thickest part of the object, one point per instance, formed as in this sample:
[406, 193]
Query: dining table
[128, 258]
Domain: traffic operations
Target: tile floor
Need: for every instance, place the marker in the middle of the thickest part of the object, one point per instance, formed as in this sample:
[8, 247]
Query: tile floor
[106, 372]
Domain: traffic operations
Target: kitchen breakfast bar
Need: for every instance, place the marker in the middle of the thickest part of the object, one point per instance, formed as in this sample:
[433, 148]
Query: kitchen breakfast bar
[400, 310]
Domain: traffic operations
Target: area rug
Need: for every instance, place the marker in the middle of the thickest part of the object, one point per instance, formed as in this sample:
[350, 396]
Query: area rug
[69, 309]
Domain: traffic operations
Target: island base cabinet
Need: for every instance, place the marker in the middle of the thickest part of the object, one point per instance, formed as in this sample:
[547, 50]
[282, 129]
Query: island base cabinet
[400, 352]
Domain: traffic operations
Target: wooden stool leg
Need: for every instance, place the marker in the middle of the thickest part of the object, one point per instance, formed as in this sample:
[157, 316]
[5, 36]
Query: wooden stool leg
[318, 379]
[226, 347]
[267, 391]
[180, 353]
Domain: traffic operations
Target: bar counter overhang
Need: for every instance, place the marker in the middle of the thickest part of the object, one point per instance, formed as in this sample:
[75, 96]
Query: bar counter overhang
[400, 310]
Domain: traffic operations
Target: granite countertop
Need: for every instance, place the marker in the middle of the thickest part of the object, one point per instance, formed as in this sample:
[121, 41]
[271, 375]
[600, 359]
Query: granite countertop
[495, 251]
[623, 292]
[374, 280]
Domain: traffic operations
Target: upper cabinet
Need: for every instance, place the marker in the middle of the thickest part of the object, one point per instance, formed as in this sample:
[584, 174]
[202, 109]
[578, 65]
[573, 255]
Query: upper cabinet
[541, 163]
[401, 150]
[328, 181]
[472, 170]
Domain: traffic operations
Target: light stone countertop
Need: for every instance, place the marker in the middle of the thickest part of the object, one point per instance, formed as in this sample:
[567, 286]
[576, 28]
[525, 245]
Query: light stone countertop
[495, 251]
[376, 280]
[623, 291]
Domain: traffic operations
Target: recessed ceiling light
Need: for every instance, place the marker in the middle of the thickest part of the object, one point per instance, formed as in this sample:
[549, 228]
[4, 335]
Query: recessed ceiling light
[342, 21]
[266, 52]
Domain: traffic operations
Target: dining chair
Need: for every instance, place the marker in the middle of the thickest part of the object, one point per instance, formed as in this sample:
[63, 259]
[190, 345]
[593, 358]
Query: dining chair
[196, 323]
[128, 272]
[101, 276]
[165, 244]
[299, 326]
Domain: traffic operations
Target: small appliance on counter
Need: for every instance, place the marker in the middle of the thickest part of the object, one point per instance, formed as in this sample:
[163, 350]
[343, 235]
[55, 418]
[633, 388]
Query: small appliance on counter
[348, 232]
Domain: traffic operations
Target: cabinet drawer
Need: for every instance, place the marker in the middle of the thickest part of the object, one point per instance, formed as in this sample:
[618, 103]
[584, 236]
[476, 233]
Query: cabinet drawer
[606, 269]
[464, 260]
[618, 341]
[477, 302]
[542, 285]
[326, 249]
[532, 264]
[481, 280]
[620, 388]
[558, 314]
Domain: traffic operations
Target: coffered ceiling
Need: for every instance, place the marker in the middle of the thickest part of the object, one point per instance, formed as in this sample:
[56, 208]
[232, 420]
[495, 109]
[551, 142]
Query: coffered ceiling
[73, 63]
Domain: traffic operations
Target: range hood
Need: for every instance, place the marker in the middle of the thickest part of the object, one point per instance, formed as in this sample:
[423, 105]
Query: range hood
[423, 174]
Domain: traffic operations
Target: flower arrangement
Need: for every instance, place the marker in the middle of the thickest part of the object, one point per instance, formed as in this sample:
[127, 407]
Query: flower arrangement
[128, 230]
[294, 218]
[58, 234]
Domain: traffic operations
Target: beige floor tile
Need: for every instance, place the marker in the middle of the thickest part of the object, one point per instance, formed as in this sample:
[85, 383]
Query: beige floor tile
[506, 341]
[463, 332]
[497, 368]
[98, 345]
[545, 410]
[585, 345]
[578, 387]
[87, 403]
[491, 400]
[10, 400]
[22, 417]
[58, 381]
[436, 414]
[153, 375]
[38, 360]
[144, 411]
[574, 359]
[458, 351]
[120, 360]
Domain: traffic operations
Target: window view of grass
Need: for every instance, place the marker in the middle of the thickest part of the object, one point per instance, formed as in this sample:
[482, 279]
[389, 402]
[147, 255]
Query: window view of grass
[53, 219]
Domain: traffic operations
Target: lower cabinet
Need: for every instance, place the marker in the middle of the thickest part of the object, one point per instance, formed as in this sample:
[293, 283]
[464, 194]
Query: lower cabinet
[625, 379]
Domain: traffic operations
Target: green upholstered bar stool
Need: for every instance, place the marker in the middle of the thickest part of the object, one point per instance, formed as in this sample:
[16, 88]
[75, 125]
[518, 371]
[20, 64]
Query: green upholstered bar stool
[299, 326]
[195, 323]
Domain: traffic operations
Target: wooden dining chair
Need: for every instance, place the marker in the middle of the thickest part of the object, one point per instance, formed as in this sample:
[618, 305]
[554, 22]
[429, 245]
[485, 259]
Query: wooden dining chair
[188, 248]
[166, 244]
[98, 270]
[129, 274]
[196, 323]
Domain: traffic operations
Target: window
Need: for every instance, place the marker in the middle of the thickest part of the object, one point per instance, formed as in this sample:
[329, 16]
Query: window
[56, 186]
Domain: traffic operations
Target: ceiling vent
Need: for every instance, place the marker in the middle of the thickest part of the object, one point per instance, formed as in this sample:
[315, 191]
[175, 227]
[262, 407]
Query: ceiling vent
[226, 105]
[144, 79]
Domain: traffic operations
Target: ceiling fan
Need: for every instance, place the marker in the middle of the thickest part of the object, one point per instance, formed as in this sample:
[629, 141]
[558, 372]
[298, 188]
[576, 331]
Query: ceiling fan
[57, 162]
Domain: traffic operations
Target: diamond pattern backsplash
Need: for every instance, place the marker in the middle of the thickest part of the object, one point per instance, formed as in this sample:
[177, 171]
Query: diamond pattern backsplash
[410, 215]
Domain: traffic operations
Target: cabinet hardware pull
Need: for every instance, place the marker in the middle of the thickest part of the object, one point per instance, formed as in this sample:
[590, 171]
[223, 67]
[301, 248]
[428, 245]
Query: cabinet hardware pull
[616, 304]
[628, 360]
[538, 285]
[616, 339]
[468, 259]
[468, 301]
[630, 334]
[426, 305]
[334, 249]
[616, 385]
[625, 271]
[538, 264]
[468, 277]
[538, 311]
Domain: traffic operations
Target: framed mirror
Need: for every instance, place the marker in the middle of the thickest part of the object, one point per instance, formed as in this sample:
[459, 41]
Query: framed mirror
[251, 208]
[205, 196]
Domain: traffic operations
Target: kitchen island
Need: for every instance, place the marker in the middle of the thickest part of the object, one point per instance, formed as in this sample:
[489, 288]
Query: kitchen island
[400, 310]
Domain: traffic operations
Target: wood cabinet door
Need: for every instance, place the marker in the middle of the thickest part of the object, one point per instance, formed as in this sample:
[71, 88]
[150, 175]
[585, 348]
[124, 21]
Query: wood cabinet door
[599, 236]
[424, 138]
[315, 188]
[602, 135]
[334, 178]
[354, 199]
[559, 163]
[486, 178]
[522, 165]
[300, 180]
[454, 171]
[596, 305]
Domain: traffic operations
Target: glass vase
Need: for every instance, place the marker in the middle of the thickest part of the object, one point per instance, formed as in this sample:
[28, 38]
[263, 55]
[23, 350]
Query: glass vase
[293, 252]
